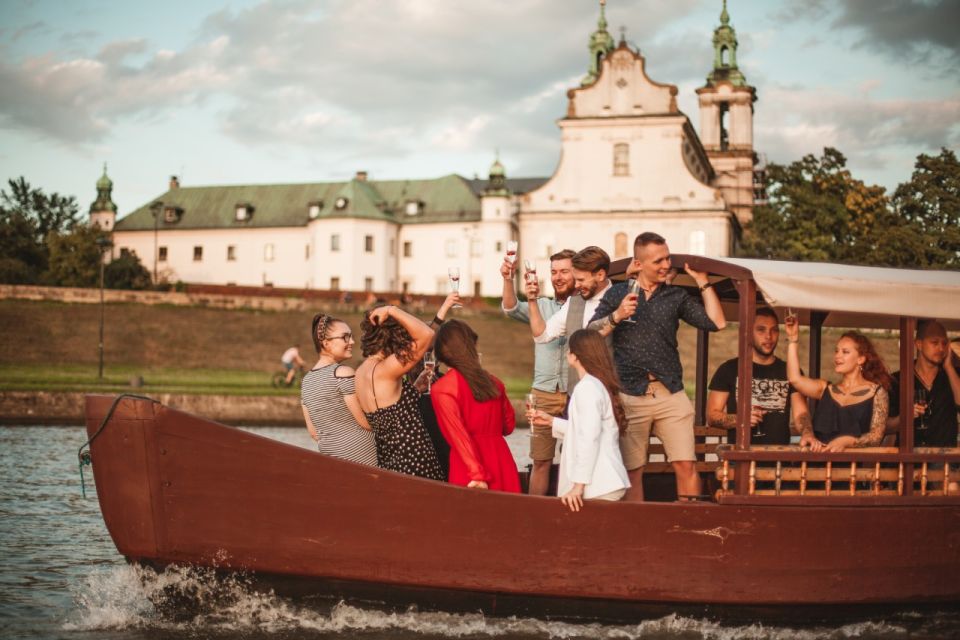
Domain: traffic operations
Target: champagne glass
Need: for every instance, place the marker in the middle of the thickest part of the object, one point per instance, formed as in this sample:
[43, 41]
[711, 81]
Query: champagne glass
[634, 290]
[430, 364]
[791, 314]
[454, 274]
[512, 251]
[923, 399]
[531, 402]
[529, 271]
[759, 433]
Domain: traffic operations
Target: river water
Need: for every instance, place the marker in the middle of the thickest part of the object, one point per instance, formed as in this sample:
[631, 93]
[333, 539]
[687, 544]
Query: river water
[61, 577]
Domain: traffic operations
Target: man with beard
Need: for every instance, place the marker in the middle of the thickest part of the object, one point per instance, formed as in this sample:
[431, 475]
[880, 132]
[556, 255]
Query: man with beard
[549, 359]
[590, 267]
[644, 330]
[935, 380]
[772, 397]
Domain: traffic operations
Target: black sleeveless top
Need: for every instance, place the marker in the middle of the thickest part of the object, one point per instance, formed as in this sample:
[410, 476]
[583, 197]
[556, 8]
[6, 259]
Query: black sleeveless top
[831, 420]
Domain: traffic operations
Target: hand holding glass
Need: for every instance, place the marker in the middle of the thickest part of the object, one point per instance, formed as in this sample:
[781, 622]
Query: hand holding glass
[454, 274]
[512, 251]
[529, 271]
[923, 400]
[634, 291]
[430, 364]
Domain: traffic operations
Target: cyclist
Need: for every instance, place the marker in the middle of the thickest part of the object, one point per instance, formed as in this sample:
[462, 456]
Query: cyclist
[290, 359]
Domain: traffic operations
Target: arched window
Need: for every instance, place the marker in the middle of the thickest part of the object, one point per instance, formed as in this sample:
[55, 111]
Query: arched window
[621, 159]
[724, 132]
[620, 245]
[724, 57]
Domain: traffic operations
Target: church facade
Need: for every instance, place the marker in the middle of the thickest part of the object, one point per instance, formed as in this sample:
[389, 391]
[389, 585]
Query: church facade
[630, 162]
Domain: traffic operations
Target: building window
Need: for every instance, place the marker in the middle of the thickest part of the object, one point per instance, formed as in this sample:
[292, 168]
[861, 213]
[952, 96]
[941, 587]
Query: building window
[451, 248]
[621, 159]
[499, 246]
[334, 284]
[268, 252]
[335, 242]
[124, 252]
[368, 284]
[413, 207]
[698, 243]
[313, 209]
[476, 247]
[162, 254]
[620, 245]
[170, 214]
[476, 288]
[197, 254]
[393, 246]
[368, 244]
[243, 211]
[407, 249]
[231, 253]
[306, 252]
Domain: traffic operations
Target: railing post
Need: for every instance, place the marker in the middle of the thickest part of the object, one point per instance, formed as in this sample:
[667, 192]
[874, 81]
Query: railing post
[746, 310]
[908, 329]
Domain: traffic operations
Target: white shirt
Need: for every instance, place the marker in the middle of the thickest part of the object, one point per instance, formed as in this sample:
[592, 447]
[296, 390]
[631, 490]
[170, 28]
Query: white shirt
[290, 355]
[591, 442]
[557, 323]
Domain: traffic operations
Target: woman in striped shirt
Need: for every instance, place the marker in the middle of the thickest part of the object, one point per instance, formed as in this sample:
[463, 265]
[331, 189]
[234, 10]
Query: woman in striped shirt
[330, 407]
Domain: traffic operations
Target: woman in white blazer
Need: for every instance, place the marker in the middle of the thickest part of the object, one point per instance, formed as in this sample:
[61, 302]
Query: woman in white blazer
[590, 464]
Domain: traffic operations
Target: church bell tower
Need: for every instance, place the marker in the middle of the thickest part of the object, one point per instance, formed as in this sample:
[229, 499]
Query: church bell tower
[726, 122]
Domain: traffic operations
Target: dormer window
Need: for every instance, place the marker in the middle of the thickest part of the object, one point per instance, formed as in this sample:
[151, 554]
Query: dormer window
[413, 207]
[341, 203]
[243, 211]
[172, 214]
[313, 209]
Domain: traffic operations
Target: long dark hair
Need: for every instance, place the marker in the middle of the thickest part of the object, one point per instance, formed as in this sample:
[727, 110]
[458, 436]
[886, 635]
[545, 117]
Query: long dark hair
[456, 346]
[591, 350]
[389, 338]
[873, 368]
[319, 326]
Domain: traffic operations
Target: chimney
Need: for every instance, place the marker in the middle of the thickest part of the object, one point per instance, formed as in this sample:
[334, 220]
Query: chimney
[362, 176]
[174, 183]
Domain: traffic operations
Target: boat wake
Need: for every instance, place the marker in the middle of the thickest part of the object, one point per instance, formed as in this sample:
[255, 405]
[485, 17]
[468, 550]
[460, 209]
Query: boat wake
[129, 597]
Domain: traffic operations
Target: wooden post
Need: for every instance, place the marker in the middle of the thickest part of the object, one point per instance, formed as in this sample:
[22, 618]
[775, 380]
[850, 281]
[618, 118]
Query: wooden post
[908, 330]
[746, 310]
[817, 318]
[703, 355]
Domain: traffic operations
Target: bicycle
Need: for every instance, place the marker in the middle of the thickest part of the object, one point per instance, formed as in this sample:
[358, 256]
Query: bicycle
[279, 379]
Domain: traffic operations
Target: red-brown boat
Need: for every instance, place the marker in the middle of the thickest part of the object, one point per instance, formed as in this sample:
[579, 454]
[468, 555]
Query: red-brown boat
[786, 531]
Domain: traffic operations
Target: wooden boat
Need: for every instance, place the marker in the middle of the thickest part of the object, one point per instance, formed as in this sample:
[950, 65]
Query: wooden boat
[860, 529]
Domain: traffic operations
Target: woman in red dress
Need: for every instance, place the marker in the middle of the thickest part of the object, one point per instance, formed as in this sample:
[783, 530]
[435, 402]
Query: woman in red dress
[474, 414]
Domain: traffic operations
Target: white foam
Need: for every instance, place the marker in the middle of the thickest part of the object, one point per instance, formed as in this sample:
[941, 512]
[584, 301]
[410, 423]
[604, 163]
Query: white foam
[123, 597]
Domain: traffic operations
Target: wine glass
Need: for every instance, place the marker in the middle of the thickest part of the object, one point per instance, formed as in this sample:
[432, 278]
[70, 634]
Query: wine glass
[923, 399]
[529, 271]
[634, 290]
[512, 251]
[791, 314]
[453, 273]
[759, 433]
[531, 401]
[430, 364]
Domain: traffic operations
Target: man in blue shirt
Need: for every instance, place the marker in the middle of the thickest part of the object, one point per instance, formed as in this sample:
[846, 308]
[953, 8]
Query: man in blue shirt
[645, 352]
[550, 361]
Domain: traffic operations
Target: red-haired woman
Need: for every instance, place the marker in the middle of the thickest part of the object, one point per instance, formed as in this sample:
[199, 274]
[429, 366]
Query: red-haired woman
[591, 467]
[474, 413]
[852, 412]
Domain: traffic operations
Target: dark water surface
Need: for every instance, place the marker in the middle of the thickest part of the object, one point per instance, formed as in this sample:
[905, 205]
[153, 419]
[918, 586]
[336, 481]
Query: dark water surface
[61, 577]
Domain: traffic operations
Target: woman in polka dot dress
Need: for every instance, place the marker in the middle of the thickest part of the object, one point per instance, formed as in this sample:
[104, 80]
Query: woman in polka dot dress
[393, 342]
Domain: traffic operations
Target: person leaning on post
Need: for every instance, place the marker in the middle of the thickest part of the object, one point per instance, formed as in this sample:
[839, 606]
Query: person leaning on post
[644, 330]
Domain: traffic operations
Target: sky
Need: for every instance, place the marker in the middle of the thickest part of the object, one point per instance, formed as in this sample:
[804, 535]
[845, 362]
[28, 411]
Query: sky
[253, 92]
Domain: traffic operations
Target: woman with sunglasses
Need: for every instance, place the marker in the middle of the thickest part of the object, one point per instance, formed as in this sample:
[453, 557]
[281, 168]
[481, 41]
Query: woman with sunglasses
[330, 406]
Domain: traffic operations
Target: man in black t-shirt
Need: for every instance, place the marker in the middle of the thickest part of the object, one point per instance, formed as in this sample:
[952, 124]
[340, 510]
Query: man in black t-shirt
[935, 380]
[773, 398]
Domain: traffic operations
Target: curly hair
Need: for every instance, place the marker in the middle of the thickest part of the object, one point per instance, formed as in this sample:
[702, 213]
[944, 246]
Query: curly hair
[873, 368]
[591, 350]
[456, 345]
[389, 338]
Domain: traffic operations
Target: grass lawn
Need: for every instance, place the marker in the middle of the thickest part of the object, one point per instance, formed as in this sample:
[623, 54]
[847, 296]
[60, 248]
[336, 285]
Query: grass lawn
[116, 379]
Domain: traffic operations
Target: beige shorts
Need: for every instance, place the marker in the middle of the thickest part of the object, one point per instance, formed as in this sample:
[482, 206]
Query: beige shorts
[669, 416]
[543, 446]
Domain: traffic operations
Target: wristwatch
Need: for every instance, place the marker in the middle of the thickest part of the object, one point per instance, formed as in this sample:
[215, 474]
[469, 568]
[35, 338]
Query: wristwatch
[706, 286]
[612, 319]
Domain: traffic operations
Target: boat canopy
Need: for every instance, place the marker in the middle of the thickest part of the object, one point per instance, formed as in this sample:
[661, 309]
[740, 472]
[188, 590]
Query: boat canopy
[852, 296]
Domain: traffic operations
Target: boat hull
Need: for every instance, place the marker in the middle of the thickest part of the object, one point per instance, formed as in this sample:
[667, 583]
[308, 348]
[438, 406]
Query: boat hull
[178, 489]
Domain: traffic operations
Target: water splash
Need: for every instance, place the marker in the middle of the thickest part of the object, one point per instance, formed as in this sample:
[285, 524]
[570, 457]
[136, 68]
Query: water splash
[129, 597]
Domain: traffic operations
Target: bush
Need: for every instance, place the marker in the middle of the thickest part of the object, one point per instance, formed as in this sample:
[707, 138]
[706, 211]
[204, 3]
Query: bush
[126, 272]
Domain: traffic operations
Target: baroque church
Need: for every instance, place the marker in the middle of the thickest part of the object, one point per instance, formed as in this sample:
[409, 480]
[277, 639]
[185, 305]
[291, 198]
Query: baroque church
[631, 161]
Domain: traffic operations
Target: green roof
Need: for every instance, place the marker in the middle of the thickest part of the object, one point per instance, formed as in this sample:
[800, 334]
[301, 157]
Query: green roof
[449, 198]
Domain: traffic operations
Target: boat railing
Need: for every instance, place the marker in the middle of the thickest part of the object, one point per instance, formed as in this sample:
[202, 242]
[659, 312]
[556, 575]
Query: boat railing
[877, 475]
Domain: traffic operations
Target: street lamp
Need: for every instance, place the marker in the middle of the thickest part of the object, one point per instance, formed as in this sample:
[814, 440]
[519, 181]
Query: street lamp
[155, 208]
[104, 244]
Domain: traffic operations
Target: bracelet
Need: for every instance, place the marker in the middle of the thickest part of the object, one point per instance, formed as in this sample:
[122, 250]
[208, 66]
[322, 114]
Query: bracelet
[793, 341]
[706, 286]
[436, 320]
[613, 320]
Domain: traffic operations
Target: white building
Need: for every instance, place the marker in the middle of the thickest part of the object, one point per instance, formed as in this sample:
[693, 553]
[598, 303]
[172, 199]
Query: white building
[630, 162]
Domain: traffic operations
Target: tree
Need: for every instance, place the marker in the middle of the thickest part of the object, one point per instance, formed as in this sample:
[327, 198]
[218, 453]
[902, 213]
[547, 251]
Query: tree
[27, 216]
[127, 272]
[74, 258]
[930, 201]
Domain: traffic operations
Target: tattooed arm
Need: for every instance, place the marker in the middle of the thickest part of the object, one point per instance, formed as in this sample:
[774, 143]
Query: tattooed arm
[878, 422]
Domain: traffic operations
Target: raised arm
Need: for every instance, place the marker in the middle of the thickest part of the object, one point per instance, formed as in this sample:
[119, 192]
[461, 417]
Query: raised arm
[951, 370]
[509, 292]
[711, 301]
[810, 387]
[421, 333]
[452, 298]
